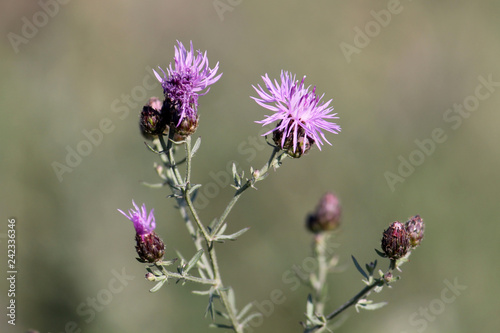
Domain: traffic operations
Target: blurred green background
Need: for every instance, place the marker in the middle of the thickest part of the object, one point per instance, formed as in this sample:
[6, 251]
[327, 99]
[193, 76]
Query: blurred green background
[76, 68]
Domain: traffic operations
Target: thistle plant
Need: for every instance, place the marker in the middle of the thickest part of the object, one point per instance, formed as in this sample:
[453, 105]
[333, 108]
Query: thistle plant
[301, 119]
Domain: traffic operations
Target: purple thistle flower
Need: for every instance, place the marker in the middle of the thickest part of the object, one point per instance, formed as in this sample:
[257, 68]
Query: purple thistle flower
[300, 113]
[149, 245]
[182, 84]
[143, 223]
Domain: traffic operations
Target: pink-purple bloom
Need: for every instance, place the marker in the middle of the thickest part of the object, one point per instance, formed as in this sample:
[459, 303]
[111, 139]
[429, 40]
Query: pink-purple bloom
[301, 114]
[143, 223]
[189, 78]
[149, 245]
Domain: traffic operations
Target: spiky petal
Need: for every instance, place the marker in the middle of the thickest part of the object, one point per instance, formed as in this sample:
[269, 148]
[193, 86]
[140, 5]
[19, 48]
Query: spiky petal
[189, 78]
[302, 116]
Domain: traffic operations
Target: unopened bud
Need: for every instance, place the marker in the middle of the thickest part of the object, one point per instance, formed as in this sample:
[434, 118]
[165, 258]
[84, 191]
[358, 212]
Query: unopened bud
[415, 228]
[388, 277]
[152, 123]
[150, 247]
[395, 241]
[327, 214]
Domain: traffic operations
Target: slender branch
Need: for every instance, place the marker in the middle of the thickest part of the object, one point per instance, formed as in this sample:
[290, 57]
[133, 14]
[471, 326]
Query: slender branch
[355, 299]
[187, 193]
[320, 285]
[273, 160]
[173, 175]
[184, 202]
[169, 275]
[223, 294]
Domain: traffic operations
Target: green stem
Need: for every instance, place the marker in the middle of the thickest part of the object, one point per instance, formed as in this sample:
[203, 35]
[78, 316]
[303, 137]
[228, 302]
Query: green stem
[168, 275]
[355, 299]
[223, 294]
[187, 193]
[173, 175]
[274, 159]
[186, 201]
[319, 287]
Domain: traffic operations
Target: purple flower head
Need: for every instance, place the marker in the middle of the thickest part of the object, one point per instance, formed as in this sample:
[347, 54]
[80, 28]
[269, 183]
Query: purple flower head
[144, 224]
[183, 83]
[300, 113]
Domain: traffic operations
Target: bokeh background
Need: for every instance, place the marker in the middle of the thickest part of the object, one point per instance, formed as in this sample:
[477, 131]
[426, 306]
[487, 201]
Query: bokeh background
[82, 62]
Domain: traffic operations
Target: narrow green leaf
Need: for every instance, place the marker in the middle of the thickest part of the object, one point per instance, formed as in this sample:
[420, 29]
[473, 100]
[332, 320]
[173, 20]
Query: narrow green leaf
[196, 146]
[236, 176]
[232, 237]
[372, 306]
[153, 149]
[382, 254]
[193, 261]
[250, 317]
[158, 286]
[232, 299]
[168, 262]
[243, 311]
[215, 325]
[222, 229]
[309, 306]
[157, 185]
[210, 308]
[194, 187]
[359, 267]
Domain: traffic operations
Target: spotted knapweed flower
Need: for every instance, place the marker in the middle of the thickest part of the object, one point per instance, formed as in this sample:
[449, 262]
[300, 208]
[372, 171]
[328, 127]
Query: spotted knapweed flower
[150, 247]
[189, 78]
[301, 114]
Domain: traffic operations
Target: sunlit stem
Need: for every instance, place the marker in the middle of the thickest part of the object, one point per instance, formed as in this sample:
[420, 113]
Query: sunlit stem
[274, 159]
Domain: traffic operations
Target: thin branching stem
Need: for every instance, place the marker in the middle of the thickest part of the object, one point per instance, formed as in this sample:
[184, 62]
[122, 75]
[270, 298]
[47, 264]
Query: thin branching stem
[168, 275]
[185, 203]
[355, 299]
[274, 159]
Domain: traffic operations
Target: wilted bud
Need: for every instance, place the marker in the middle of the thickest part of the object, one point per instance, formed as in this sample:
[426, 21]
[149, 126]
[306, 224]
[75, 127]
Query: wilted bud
[302, 146]
[395, 241]
[152, 122]
[327, 214]
[415, 228]
[150, 247]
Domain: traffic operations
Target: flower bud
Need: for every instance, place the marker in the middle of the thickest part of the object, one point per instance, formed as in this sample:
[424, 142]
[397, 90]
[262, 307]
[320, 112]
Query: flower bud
[415, 228]
[150, 247]
[395, 241]
[152, 122]
[150, 276]
[327, 214]
[388, 277]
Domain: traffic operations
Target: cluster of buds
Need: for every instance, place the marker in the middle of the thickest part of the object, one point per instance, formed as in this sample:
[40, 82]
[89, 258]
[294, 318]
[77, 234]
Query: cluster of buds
[149, 245]
[327, 214]
[182, 84]
[399, 239]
